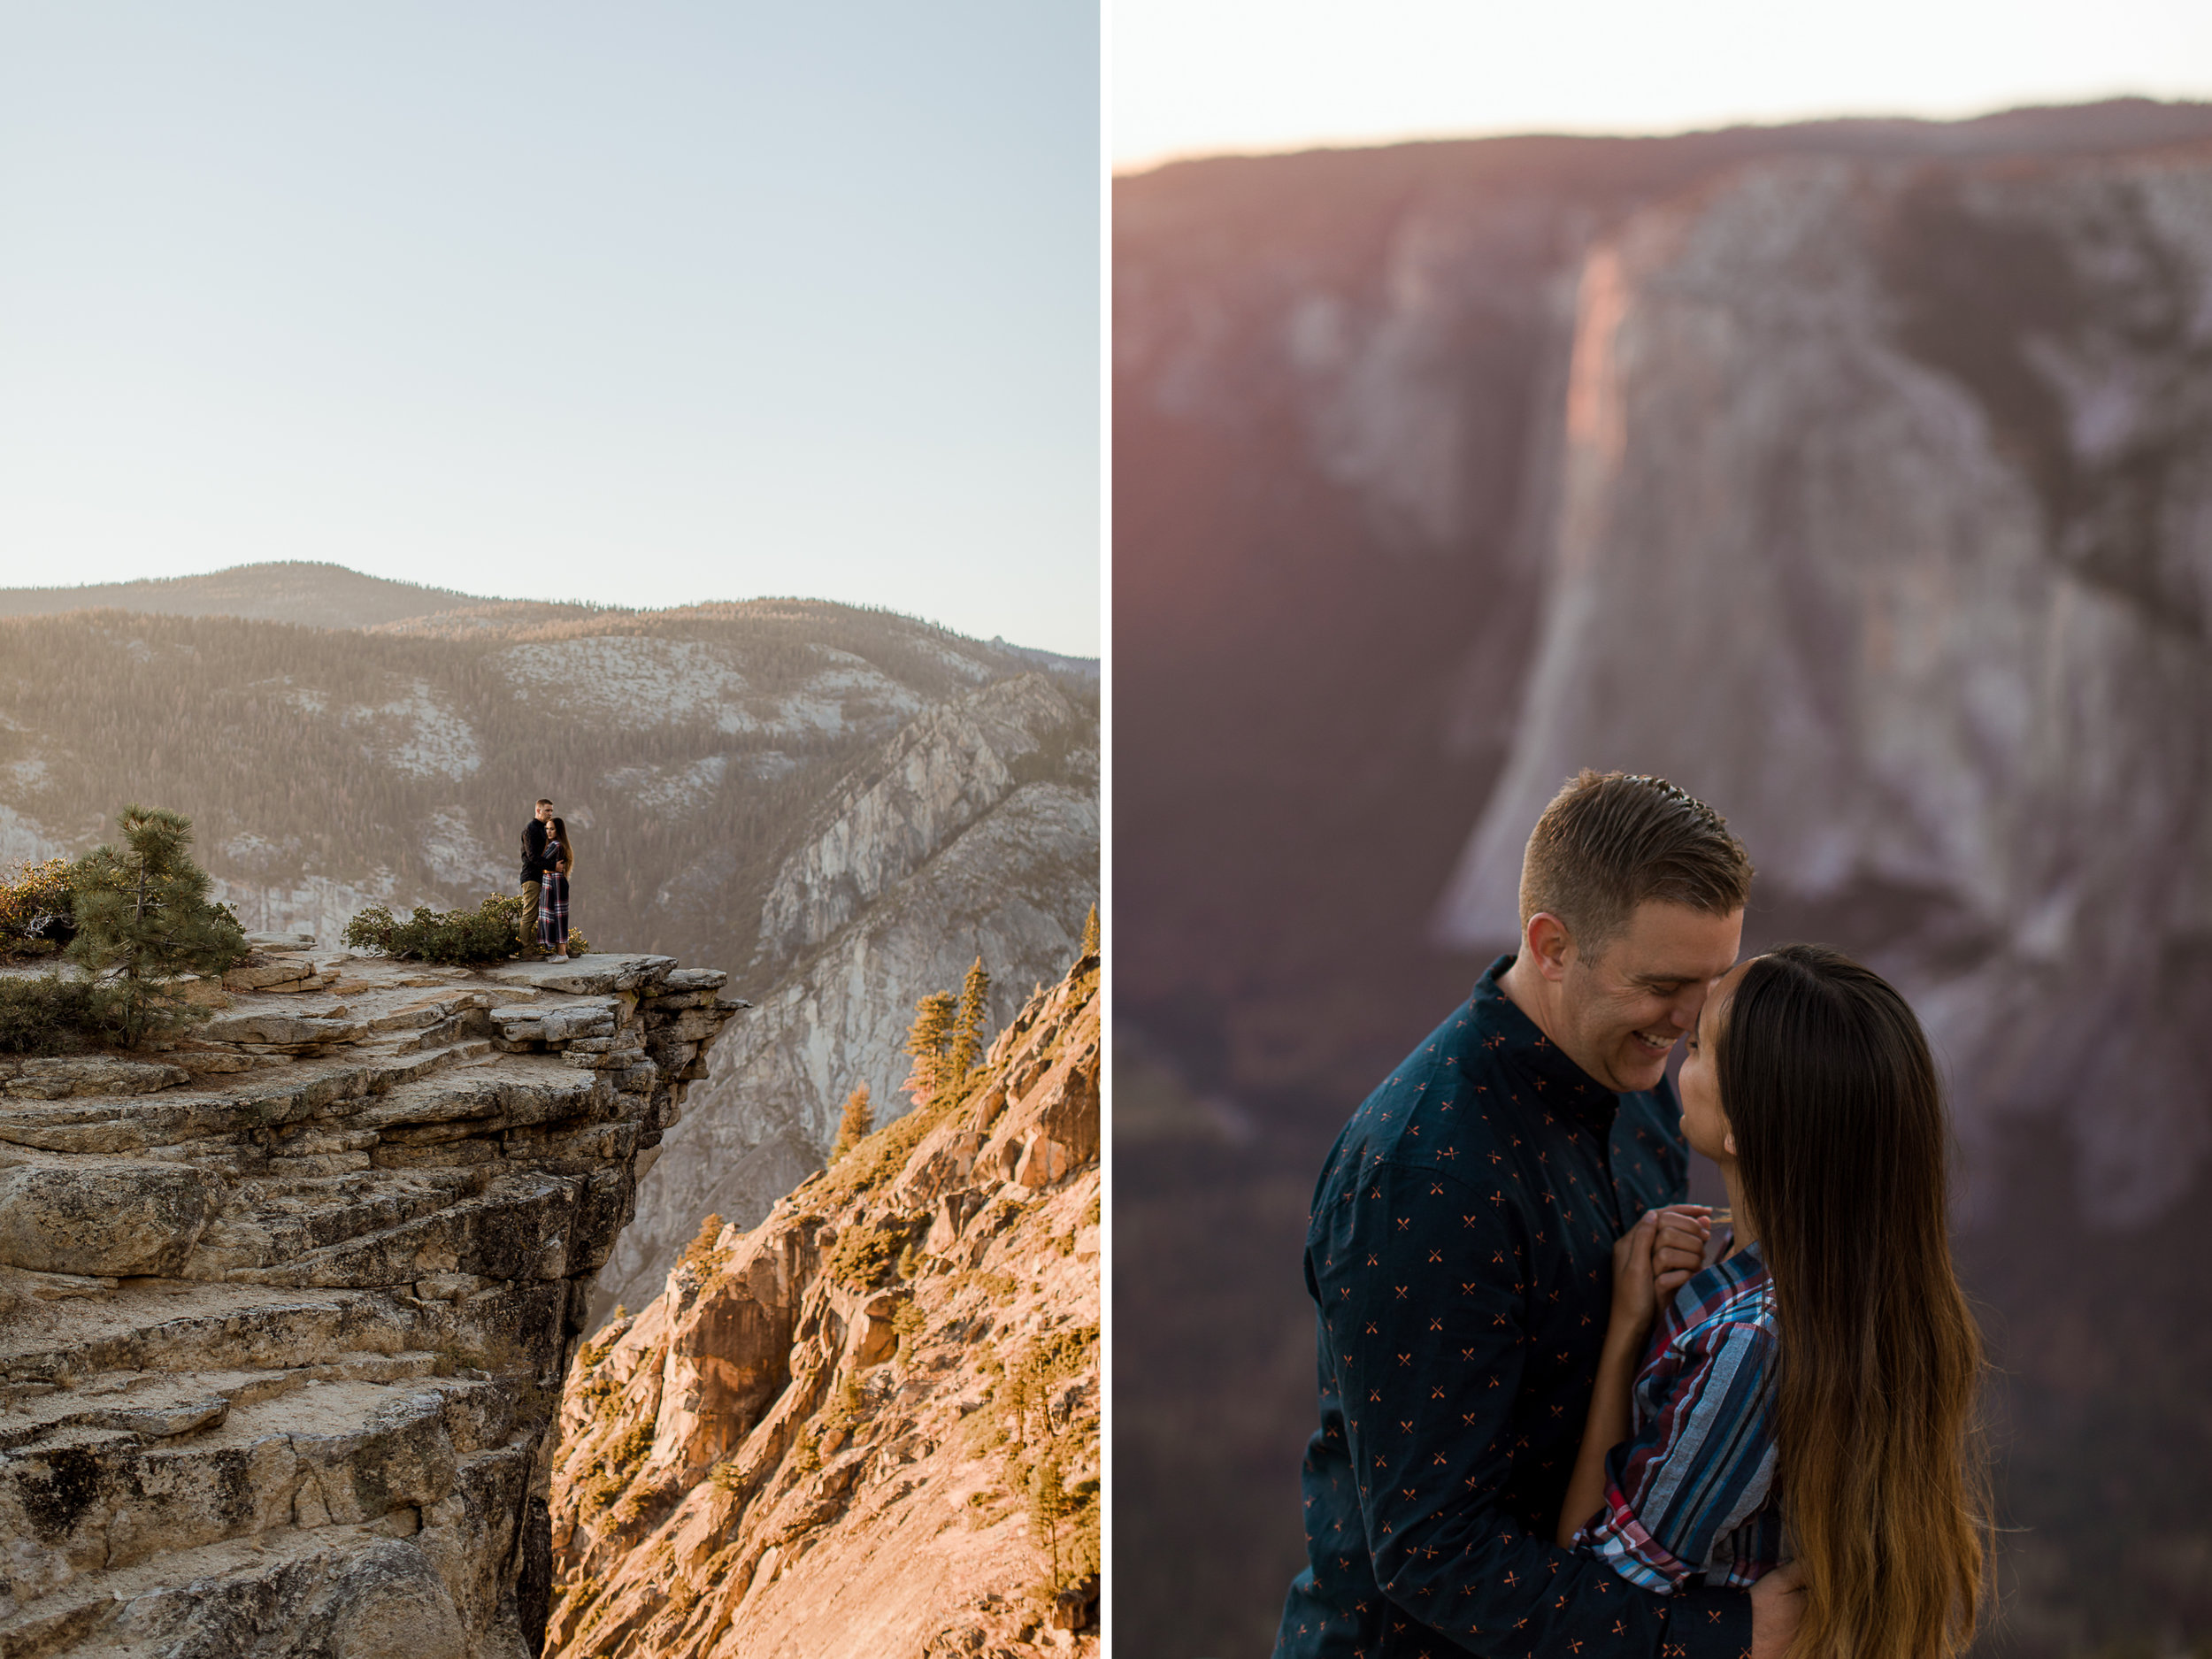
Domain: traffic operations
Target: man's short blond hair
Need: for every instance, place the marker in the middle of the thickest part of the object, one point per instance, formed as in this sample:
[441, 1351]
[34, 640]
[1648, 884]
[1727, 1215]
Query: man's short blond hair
[1612, 840]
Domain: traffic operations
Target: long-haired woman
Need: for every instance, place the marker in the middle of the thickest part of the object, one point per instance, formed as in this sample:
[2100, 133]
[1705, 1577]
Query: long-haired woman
[1811, 1395]
[560, 858]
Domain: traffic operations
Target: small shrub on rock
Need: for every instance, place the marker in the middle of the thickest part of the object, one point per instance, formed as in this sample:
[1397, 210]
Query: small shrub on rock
[36, 916]
[48, 1015]
[910, 1322]
[467, 939]
[862, 1255]
[701, 1256]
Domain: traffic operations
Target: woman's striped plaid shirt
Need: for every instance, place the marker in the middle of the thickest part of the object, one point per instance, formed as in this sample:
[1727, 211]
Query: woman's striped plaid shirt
[1690, 1493]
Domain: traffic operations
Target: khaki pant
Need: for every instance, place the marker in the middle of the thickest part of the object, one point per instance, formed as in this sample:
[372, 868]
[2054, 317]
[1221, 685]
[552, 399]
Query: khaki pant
[527, 928]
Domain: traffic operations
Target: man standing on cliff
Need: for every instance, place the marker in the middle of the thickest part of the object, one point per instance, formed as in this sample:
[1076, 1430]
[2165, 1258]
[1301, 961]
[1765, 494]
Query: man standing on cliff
[1460, 1253]
[533, 876]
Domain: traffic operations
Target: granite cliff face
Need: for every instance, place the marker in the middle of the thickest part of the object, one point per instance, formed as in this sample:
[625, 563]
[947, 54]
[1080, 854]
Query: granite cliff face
[973, 833]
[288, 1302]
[1884, 514]
[821, 1436]
[1341, 416]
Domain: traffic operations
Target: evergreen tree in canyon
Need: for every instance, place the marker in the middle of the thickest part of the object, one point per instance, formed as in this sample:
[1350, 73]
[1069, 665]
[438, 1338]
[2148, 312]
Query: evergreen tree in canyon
[925, 1041]
[858, 1123]
[1050, 1511]
[967, 1027]
[1090, 933]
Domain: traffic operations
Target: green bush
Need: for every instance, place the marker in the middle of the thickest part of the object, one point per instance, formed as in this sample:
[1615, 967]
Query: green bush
[137, 919]
[50, 1015]
[462, 938]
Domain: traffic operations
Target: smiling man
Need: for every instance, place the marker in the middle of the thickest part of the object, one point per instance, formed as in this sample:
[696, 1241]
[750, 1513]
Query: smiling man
[1460, 1253]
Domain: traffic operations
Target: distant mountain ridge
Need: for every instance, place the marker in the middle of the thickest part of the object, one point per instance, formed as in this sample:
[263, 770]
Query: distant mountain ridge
[325, 596]
[321, 595]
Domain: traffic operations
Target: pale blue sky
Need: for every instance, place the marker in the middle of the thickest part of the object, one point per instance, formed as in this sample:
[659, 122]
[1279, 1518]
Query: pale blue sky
[1195, 77]
[647, 305]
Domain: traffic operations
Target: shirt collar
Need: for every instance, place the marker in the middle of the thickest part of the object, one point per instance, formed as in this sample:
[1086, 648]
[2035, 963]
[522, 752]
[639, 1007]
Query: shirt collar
[1560, 1082]
[1729, 1276]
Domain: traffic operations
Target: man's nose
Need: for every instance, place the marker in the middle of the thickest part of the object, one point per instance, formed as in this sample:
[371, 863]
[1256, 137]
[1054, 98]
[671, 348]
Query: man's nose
[1686, 1010]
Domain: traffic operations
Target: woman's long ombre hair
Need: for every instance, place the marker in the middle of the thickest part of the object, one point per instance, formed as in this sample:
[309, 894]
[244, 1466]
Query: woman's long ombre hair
[1842, 1156]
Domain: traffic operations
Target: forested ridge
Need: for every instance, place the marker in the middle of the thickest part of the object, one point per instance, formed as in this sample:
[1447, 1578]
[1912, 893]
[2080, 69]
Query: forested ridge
[688, 749]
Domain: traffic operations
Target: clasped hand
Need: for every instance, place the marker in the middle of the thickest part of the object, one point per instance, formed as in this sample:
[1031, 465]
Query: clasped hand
[1653, 1259]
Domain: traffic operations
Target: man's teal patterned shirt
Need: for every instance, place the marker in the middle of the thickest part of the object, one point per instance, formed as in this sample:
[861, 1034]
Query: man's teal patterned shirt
[1460, 1257]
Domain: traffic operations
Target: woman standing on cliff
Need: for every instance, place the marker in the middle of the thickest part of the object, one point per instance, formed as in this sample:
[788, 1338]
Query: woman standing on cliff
[560, 857]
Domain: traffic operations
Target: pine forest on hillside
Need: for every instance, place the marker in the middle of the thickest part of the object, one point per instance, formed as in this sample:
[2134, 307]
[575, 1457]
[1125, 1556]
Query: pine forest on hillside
[689, 750]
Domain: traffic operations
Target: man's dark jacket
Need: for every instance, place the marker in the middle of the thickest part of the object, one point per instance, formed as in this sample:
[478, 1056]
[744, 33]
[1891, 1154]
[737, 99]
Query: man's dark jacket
[1460, 1253]
[533, 839]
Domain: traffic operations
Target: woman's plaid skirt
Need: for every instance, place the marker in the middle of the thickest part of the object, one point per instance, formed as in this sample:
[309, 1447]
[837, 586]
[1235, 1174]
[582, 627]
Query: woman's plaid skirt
[553, 913]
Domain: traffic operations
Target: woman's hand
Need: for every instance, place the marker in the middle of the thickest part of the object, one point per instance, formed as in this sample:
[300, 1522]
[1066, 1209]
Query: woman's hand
[1654, 1258]
[1679, 1251]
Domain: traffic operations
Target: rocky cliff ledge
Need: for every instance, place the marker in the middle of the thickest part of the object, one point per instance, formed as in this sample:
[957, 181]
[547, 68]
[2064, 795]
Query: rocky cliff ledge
[867, 1428]
[289, 1304]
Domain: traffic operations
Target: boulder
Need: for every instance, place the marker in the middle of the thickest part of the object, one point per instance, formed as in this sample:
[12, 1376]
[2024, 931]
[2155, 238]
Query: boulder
[283, 1029]
[104, 1218]
[268, 976]
[592, 975]
[696, 980]
[87, 1075]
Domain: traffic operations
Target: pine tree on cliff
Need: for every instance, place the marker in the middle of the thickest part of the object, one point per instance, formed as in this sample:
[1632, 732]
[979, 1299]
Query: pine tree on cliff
[858, 1123]
[699, 1255]
[925, 1042]
[142, 915]
[1049, 1510]
[967, 1027]
[1090, 933]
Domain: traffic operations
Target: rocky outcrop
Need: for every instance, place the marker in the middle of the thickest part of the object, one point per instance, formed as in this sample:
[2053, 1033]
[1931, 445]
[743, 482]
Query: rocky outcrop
[940, 774]
[824, 1435]
[843, 807]
[289, 1302]
[972, 834]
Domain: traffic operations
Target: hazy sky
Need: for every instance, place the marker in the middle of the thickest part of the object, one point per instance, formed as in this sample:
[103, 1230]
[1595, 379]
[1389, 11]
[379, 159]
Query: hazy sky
[646, 305]
[1201, 76]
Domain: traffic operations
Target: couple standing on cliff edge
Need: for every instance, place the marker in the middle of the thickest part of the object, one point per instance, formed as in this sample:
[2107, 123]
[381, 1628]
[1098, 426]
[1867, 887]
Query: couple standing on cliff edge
[547, 856]
[1565, 1413]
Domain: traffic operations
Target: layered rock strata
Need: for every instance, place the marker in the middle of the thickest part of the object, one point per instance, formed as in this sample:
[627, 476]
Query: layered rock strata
[822, 1436]
[289, 1302]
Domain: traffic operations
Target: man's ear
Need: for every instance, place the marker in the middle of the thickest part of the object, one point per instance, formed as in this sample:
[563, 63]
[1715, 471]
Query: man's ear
[1550, 945]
